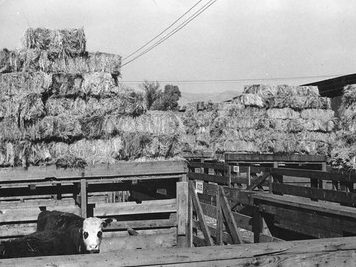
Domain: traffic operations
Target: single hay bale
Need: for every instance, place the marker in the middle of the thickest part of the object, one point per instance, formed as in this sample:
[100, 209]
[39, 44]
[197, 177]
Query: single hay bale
[69, 42]
[281, 90]
[30, 108]
[9, 130]
[299, 102]
[243, 123]
[99, 84]
[70, 161]
[92, 126]
[58, 106]
[252, 100]
[349, 95]
[20, 84]
[5, 57]
[283, 113]
[237, 146]
[318, 114]
[67, 85]
[61, 128]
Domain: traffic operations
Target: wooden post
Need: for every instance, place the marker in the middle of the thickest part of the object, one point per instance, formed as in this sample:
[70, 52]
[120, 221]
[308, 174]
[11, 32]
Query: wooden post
[83, 198]
[229, 175]
[219, 220]
[182, 214]
[190, 221]
[257, 225]
[248, 176]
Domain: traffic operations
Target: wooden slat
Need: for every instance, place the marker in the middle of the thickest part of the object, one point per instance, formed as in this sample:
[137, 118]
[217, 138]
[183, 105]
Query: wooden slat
[273, 157]
[139, 224]
[215, 166]
[30, 214]
[229, 218]
[333, 176]
[307, 204]
[17, 229]
[145, 239]
[315, 193]
[128, 208]
[209, 178]
[116, 170]
[219, 220]
[320, 252]
[199, 211]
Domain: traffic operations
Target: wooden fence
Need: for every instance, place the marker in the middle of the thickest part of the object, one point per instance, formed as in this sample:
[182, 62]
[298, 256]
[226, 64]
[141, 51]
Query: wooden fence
[157, 208]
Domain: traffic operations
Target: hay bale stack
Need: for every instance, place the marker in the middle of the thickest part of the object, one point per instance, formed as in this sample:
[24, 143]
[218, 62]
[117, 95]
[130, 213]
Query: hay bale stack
[277, 119]
[343, 154]
[61, 105]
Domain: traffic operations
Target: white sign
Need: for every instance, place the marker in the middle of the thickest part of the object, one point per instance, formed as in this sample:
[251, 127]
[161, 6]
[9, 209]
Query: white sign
[236, 168]
[199, 187]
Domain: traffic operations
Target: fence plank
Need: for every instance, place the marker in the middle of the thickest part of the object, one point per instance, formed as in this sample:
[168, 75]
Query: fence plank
[230, 221]
[315, 193]
[200, 214]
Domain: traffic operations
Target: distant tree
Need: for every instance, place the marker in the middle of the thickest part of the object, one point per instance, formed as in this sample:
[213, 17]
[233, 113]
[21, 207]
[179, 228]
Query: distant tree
[152, 92]
[168, 100]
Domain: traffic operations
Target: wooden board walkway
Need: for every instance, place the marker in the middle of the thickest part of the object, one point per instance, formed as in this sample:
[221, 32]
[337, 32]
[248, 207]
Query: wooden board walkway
[322, 252]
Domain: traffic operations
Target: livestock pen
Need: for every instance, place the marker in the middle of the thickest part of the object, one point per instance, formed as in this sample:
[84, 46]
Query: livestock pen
[157, 207]
[191, 213]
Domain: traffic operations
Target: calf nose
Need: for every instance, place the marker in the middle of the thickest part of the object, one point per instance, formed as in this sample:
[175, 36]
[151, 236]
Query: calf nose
[94, 247]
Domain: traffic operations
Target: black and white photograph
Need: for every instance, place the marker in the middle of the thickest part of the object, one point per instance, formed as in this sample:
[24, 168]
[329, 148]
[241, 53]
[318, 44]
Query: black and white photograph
[177, 133]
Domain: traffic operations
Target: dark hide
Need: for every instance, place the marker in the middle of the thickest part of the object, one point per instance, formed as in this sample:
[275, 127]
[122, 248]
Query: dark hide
[57, 220]
[45, 243]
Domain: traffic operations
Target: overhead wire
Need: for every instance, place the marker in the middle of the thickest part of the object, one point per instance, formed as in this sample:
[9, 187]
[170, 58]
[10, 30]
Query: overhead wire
[181, 26]
[154, 38]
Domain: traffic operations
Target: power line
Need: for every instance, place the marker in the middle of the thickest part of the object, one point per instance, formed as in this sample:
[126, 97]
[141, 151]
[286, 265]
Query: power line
[196, 14]
[154, 38]
[240, 80]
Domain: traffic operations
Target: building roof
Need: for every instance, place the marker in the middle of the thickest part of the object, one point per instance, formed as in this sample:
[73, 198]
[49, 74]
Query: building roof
[334, 87]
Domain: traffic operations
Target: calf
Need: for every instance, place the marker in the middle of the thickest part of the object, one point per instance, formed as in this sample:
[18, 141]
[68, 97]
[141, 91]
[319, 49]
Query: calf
[45, 243]
[87, 233]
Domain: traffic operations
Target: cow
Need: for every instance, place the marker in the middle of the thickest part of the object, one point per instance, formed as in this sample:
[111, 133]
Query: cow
[86, 233]
[45, 243]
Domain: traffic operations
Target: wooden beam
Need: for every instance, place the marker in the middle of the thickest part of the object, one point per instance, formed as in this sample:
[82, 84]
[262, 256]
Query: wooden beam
[229, 218]
[199, 211]
[219, 220]
[215, 166]
[315, 193]
[83, 198]
[320, 252]
[303, 203]
[321, 175]
[182, 214]
[122, 169]
[129, 208]
[209, 178]
[231, 156]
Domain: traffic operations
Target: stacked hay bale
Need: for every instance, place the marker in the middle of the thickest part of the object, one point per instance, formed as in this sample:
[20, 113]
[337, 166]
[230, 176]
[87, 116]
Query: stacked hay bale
[60, 104]
[343, 154]
[275, 119]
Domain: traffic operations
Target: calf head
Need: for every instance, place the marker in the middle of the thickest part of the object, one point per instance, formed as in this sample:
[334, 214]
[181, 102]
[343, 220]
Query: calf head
[92, 233]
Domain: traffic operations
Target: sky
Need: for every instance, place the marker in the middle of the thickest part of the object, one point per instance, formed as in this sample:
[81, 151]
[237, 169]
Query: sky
[248, 41]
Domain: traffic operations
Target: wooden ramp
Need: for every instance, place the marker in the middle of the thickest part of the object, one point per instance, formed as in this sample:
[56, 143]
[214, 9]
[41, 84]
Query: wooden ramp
[322, 252]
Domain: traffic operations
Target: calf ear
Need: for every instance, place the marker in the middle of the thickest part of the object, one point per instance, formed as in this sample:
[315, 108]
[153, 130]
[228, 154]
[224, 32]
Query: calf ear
[106, 222]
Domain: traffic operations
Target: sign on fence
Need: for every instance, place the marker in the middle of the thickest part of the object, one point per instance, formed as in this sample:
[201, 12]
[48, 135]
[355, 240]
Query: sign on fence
[199, 187]
[236, 168]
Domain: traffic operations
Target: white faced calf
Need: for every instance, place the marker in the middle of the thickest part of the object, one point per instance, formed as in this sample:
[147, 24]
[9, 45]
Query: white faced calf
[86, 233]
